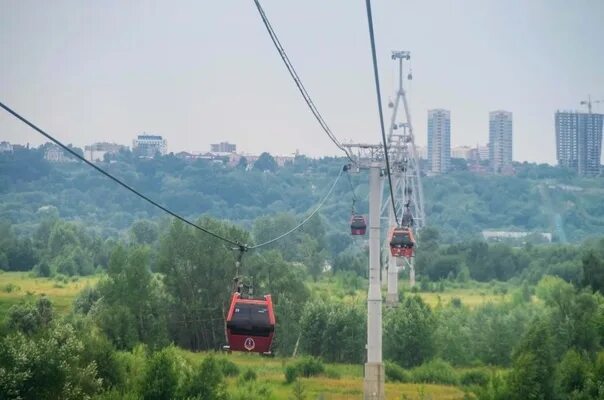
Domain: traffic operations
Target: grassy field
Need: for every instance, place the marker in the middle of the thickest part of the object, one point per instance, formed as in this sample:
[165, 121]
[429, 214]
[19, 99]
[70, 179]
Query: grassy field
[340, 382]
[19, 286]
[474, 295]
[469, 297]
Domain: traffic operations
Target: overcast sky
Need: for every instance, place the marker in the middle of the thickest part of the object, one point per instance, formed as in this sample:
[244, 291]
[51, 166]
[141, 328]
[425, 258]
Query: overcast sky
[199, 72]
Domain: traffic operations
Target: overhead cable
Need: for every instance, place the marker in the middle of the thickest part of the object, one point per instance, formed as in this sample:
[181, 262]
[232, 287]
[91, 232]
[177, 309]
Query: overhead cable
[298, 81]
[305, 220]
[379, 103]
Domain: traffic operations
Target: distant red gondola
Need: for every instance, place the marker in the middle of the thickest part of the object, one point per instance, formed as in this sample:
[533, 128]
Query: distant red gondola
[250, 324]
[402, 242]
[358, 226]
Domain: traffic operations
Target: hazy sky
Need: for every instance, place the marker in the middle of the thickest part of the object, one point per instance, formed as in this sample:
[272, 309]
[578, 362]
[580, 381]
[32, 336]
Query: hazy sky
[198, 72]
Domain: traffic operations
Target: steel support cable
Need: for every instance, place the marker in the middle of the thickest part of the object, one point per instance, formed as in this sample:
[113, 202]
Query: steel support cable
[305, 220]
[379, 102]
[298, 81]
[354, 196]
[118, 181]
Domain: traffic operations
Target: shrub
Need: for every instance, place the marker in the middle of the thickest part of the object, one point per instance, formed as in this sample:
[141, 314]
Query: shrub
[306, 367]
[249, 375]
[475, 377]
[435, 371]
[456, 302]
[291, 373]
[395, 373]
[228, 367]
[10, 287]
[310, 366]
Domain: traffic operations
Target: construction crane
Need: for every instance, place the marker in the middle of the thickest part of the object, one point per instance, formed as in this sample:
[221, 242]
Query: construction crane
[589, 103]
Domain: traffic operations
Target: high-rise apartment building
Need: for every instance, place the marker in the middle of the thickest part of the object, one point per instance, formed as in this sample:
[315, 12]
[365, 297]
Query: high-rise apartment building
[579, 141]
[439, 140]
[500, 141]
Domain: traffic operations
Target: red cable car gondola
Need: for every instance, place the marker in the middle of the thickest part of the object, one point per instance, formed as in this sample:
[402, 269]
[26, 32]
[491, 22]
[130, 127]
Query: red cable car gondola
[358, 226]
[250, 324]
[402, 242]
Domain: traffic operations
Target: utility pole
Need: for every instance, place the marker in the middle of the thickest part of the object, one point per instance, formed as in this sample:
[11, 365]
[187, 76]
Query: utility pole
[371, 157]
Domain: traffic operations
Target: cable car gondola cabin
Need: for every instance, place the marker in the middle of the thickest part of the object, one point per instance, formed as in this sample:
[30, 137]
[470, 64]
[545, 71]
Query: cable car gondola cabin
[402, 242]
[358, 226]
[250, 324]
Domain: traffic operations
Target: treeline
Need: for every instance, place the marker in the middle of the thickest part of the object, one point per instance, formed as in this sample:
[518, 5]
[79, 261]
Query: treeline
[461, 204]
[483, 262]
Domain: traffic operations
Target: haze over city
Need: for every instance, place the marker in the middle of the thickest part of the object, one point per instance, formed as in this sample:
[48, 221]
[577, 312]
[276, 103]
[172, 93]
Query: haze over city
[200, 73]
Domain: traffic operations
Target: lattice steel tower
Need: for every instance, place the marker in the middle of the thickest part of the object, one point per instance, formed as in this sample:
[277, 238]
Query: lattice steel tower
[406, 178]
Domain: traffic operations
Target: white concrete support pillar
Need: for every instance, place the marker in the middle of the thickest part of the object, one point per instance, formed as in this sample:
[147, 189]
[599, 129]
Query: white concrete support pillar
[374, 368]
[412, 271]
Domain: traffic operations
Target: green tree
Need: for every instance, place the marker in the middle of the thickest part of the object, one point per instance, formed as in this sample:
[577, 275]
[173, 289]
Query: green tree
[144, 232]
[133, 307]
[160, 378]
[30, 318]
[48, 366]
[593, 271]
[206, 382]
[409, 333]
[265, 162]
[532, 372]
[572, 374]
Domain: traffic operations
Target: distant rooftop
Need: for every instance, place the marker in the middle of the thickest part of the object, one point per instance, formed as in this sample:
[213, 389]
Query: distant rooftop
[150, 137]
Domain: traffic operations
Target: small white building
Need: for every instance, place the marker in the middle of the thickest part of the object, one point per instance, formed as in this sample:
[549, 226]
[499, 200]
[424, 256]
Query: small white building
[6, 147]
[149, 145]
[96, 152]
[54, 153]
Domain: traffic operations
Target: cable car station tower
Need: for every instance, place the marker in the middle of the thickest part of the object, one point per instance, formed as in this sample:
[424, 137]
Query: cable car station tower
[406, 179]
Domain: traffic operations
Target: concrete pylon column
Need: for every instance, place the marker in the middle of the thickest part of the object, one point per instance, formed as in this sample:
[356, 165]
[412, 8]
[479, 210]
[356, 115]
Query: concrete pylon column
[373, 384]
[412, 272]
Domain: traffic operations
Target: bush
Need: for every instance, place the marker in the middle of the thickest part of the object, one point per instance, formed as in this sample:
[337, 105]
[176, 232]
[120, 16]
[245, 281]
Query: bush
[435, 371]
[306, 367]
[395, 373]
[249, 375]
[228, 367]
[310, 366]
[477, 377]
[291, 373]
[10, 287]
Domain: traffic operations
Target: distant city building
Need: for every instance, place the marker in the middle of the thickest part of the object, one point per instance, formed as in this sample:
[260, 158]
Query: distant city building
[500, 141]
[6, 147]
[464, 152]
[422, 152]
[439, 140]
[223, 147]
[579, 141]
[97, 151]
[149, 145]
[54, 153]
[483, 152]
